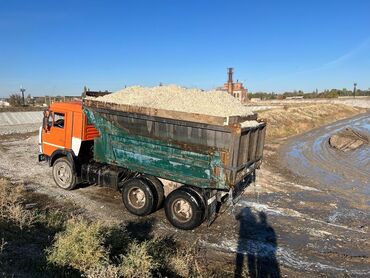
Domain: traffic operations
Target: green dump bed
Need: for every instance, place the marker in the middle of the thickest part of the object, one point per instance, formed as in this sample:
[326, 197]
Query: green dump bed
[200, 150]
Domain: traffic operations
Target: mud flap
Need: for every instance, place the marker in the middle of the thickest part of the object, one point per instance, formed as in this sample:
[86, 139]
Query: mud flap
[211, 210]
[238, 190]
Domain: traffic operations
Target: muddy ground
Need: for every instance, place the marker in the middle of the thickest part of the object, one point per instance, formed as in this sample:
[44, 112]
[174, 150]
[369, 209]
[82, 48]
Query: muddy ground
[287, 222]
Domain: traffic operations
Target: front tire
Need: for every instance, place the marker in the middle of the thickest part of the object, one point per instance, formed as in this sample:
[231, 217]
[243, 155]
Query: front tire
[184, 209]
[139, 196]
[64, 174]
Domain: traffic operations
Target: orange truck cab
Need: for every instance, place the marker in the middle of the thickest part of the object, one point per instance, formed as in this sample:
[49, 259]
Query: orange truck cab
[66, 137]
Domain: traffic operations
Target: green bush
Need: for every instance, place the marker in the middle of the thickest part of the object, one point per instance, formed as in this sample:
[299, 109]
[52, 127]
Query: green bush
[111, 252]
[137, 262]
[80, 246]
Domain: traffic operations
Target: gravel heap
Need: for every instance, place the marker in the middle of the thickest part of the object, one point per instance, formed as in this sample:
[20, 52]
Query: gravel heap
[172, 97]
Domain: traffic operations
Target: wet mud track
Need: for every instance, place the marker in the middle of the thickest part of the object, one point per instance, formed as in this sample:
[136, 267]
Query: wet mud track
[286, 224]
[344, 176]
[312, 156]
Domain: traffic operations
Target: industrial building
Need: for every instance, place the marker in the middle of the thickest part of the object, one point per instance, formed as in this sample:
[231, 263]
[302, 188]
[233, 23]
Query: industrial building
[236, 89]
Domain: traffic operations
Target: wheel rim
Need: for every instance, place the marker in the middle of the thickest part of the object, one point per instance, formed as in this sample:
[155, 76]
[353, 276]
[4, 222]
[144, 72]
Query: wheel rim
[182, 210]
[136, 197]
[63, 174]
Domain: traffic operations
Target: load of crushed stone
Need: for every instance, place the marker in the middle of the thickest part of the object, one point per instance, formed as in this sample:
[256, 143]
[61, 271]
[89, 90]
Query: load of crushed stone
[172, 97]
[348, 139]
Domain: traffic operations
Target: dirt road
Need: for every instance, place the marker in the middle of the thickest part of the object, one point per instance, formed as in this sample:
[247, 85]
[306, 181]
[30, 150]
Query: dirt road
[285, 222]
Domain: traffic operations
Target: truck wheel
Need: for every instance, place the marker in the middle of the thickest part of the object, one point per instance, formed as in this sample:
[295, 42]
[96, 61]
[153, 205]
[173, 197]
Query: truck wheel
[139, 196]
[184, 209]
[64, 174]
[159, 190]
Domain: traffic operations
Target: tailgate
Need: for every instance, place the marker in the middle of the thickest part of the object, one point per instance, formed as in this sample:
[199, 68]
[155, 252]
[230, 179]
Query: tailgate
[250, 152]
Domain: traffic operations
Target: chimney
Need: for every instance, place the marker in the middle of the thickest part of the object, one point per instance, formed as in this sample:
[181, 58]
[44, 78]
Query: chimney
[230, 84]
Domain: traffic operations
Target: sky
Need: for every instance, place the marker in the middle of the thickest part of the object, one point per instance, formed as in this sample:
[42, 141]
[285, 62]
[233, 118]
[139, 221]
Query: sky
[58, 47]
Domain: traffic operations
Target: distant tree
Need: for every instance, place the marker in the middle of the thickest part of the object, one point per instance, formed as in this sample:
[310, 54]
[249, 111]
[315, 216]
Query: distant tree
[15, 100]
[332, 93]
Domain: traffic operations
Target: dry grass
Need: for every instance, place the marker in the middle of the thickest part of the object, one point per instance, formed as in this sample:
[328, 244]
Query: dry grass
[291, 120]
[109, 271]
[192, 262]
[11, 207]
[184, 263]
[97, 252]
[2, 245]
[138, 262]
[82, 247]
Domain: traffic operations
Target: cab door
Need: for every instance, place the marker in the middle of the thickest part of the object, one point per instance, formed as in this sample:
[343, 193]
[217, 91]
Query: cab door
[54, 137]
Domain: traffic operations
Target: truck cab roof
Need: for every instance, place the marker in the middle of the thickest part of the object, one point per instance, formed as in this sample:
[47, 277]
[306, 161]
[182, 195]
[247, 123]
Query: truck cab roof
[67, 106]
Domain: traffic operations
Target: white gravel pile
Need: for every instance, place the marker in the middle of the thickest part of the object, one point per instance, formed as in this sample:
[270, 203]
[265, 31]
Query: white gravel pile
[172, 97]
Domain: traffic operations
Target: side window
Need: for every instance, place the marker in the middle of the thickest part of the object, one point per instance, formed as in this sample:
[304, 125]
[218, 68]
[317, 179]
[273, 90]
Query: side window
[58, 120]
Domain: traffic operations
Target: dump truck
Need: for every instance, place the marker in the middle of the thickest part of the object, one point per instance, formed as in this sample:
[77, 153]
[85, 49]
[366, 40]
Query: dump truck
[134, 149]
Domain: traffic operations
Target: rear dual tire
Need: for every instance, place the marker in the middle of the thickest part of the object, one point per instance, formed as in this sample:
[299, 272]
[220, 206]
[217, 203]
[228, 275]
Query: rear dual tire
[143, 195]
[185, 208]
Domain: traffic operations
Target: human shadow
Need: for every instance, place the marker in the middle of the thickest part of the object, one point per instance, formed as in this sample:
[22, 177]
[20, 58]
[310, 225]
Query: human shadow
[257, 241]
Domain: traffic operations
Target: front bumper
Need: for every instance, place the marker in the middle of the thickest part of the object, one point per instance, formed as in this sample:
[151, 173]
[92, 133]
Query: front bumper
[41, 157]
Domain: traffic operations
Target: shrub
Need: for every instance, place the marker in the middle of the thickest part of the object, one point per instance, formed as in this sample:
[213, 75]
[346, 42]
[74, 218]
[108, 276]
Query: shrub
[109, 271]
[80, 246]
[53, 218]
[185, 263]
[15, 100]
[162, 249]
[137, 262]
[11, 208]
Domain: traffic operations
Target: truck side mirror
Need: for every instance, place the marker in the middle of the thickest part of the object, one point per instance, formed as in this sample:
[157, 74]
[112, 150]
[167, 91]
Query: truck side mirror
[45, 123]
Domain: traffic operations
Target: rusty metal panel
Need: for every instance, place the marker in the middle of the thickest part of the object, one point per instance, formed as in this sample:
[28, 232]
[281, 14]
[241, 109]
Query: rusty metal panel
[253, 145]
[244, 147]
[187, 134]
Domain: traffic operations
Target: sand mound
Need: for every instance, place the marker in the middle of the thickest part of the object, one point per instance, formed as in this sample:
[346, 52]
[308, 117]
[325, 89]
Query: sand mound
[215, 103]
[348, 139]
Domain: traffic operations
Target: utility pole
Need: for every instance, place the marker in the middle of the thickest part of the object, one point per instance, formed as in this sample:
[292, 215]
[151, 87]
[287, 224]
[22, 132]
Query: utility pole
[22, 91]
[354, 90]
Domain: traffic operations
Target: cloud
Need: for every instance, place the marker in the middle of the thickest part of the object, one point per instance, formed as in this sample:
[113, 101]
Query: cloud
[347, 56]
[328, 65]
